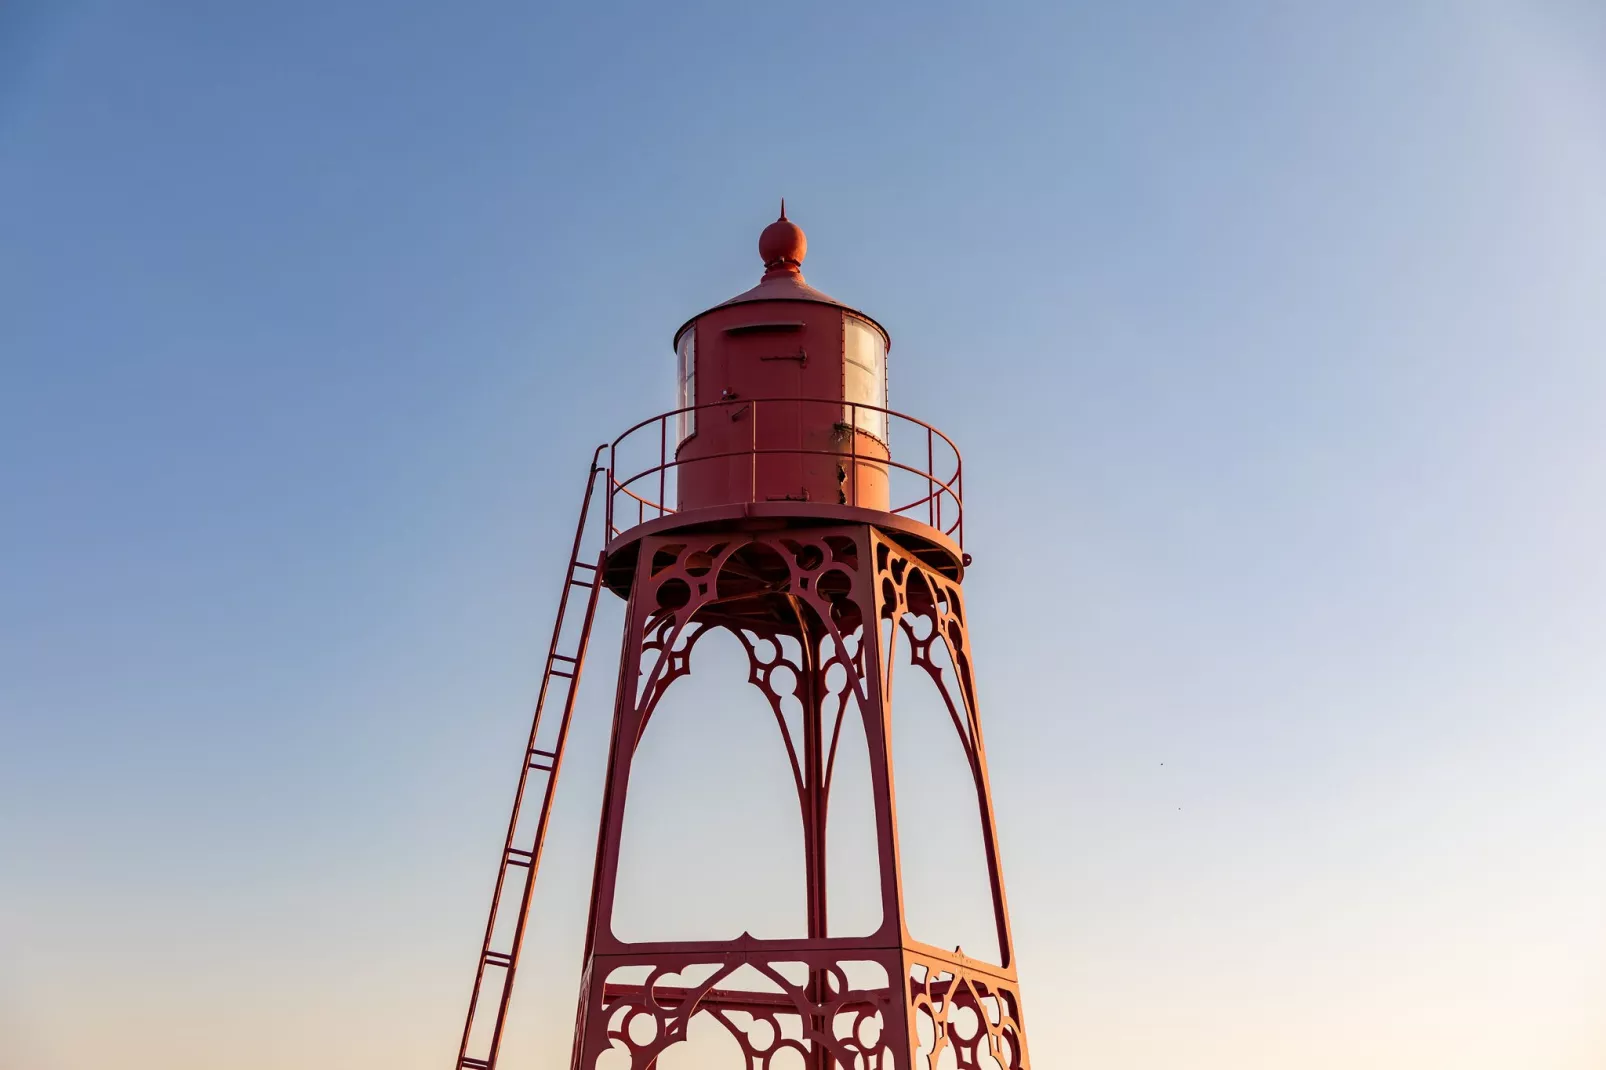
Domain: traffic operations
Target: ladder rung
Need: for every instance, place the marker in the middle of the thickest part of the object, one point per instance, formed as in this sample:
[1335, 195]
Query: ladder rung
[565, 675]
[567, 658]
[515, 857]
[474, 1064]
[585, 565]
[499, 958]
[582, 583]
[536, 763]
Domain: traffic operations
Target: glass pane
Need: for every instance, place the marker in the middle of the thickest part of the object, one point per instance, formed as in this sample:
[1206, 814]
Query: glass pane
[864, 354]
[686, 422]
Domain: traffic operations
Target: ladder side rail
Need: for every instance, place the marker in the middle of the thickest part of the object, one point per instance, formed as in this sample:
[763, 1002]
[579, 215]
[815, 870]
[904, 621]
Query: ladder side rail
[487, 955]
[545, 813]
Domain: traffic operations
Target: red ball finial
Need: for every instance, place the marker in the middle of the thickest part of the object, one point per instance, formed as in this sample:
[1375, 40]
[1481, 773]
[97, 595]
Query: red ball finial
[783, 246]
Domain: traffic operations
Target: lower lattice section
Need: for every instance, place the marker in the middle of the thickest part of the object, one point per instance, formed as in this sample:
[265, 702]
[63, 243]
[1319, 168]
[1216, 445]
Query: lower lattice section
[757, 1014]
[965, 1020]
[780, 1015]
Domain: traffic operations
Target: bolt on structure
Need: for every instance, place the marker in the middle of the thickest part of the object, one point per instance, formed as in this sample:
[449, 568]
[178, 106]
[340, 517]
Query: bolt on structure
[797, 527]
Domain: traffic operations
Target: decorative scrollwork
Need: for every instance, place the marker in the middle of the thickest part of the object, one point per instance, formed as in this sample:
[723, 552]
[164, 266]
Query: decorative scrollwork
[975, 1016]
[824, 1014]
[699, 583]
[665, 656]
[928, 609]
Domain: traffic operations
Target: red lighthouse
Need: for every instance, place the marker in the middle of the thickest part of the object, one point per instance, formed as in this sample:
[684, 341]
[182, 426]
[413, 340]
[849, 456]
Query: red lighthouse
[783, 502]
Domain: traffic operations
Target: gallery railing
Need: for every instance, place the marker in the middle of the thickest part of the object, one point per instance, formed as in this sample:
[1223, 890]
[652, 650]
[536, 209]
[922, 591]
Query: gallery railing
[641, 486]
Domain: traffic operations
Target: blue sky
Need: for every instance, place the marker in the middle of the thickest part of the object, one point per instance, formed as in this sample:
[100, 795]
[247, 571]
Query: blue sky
[1273, 339]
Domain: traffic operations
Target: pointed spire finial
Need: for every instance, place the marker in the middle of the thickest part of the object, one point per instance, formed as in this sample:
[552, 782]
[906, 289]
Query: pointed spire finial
[782, 247]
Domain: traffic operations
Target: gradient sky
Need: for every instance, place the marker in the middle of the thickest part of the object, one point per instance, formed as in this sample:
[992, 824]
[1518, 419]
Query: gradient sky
[1275, 341]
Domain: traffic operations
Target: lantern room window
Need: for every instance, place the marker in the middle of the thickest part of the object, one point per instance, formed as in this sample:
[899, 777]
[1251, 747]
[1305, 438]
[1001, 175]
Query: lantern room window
[864, 377]
[686, 422]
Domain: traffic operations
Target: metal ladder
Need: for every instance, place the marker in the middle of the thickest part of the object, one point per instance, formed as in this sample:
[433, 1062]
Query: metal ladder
[543, 756]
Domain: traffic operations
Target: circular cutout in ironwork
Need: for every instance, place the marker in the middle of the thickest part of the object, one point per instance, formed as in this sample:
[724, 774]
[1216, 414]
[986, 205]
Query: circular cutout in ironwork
[674, 593]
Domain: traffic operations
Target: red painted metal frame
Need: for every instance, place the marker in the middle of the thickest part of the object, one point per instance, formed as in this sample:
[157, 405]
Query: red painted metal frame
[844, 582]
[944, 493]
[844, 593]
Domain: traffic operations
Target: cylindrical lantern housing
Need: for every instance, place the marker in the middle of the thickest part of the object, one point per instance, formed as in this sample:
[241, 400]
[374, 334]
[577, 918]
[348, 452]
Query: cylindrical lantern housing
[784, 392]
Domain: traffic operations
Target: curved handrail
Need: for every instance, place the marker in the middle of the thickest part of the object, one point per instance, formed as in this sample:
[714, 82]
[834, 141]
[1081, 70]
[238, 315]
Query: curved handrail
[835, 403]
[940, 485]
[948, 486]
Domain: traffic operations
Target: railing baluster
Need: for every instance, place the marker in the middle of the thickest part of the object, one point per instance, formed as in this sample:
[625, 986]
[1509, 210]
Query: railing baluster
[663, 460]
